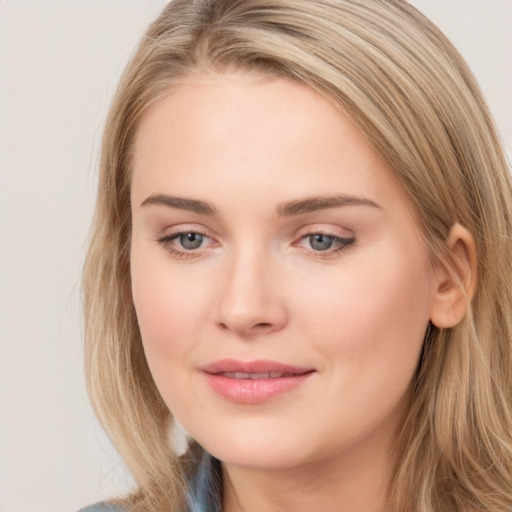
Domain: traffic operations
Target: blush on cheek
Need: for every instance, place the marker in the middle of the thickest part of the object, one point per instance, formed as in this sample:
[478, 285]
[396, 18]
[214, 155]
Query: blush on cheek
[160, 322]
[155, 306]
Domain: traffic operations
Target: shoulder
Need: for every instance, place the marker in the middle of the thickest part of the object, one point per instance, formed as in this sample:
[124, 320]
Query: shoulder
[102, 507]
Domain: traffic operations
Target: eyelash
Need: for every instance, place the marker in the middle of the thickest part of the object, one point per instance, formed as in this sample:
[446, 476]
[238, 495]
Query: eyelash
[343, 244]
[166, 243]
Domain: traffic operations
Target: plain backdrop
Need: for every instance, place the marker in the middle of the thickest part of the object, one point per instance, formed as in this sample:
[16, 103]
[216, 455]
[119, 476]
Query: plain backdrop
[59, 64]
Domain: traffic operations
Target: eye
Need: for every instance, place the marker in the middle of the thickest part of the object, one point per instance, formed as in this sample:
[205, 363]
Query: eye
[190, 241]
[185, 244]
[319, 242]
[326, 244]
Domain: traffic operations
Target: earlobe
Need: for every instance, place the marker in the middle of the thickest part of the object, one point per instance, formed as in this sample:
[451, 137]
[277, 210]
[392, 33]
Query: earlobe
[455, 279]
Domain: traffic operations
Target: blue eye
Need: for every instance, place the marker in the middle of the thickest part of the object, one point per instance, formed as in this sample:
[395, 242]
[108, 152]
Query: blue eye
[326, 245]
[319, 242]
[190, 241]
[187, 244]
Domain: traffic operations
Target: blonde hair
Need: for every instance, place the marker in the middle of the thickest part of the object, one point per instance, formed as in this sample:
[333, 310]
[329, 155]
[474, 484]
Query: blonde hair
[411, 94]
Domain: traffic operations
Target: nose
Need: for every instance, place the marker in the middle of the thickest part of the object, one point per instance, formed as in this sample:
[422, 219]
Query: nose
[250, 299]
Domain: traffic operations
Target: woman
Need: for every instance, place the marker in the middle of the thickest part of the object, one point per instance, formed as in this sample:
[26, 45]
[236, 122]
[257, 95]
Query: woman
[301, 252]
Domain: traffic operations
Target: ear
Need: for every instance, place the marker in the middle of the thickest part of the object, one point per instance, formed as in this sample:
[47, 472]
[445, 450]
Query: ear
[455, 280]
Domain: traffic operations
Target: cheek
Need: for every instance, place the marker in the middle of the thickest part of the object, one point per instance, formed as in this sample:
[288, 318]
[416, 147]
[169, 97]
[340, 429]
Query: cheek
[367, 328]
[169, 310]
[372, 316]
[169, 319]
[158, 307]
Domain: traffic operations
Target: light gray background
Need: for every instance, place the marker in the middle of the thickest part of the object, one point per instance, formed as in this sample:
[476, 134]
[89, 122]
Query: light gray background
[59, 63]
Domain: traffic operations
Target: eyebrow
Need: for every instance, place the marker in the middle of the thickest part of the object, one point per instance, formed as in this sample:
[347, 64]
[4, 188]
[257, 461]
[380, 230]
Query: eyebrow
[180, 203]
[286, 209]
[321, 203]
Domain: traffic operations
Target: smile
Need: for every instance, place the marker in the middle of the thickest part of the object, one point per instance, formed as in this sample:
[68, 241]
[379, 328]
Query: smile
[254, 382]
[254, 376]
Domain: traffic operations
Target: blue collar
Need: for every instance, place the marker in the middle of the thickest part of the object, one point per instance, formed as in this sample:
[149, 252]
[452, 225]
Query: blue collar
[206, 486]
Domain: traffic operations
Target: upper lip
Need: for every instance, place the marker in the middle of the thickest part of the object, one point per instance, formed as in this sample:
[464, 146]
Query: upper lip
[258, 366]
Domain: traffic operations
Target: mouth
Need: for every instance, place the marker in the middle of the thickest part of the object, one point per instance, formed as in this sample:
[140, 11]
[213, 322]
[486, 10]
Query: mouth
[254, 382]
[256, 376]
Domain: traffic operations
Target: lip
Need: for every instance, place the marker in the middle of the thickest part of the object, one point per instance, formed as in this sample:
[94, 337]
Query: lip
[220, 375]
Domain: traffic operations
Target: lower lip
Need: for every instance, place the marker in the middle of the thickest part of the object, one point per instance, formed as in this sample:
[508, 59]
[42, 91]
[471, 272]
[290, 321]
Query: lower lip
[254, 391]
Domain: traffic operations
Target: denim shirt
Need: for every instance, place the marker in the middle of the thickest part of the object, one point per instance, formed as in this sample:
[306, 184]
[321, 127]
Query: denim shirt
[204, 490]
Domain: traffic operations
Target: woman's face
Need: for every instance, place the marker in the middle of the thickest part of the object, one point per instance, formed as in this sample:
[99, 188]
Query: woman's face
[281, 285]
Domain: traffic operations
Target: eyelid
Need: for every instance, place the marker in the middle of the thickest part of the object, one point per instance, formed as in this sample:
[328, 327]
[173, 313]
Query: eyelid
[324, 229]
[188, 227]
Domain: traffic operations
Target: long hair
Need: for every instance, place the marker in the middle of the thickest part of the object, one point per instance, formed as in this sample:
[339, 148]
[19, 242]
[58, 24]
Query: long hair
[413, 97]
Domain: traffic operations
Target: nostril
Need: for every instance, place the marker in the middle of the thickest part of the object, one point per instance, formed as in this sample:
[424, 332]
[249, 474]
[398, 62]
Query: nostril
[262, 325]
[256, 327]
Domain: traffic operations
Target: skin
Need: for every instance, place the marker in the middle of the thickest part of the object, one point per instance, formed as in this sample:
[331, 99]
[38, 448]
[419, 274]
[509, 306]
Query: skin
[257, 288]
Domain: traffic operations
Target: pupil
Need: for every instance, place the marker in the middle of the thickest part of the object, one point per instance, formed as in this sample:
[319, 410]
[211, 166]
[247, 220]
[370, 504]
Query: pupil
[320, 242]
[191, 240]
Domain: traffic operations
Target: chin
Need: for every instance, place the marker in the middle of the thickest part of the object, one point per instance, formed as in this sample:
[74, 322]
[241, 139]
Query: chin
[256, 457]
[257, 448]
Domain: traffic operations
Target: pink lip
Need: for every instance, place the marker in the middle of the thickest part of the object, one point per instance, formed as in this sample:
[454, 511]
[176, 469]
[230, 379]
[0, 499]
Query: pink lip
[253, 390]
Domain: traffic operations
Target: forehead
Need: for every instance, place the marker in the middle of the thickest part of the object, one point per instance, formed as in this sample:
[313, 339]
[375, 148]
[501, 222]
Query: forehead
[243, 132]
